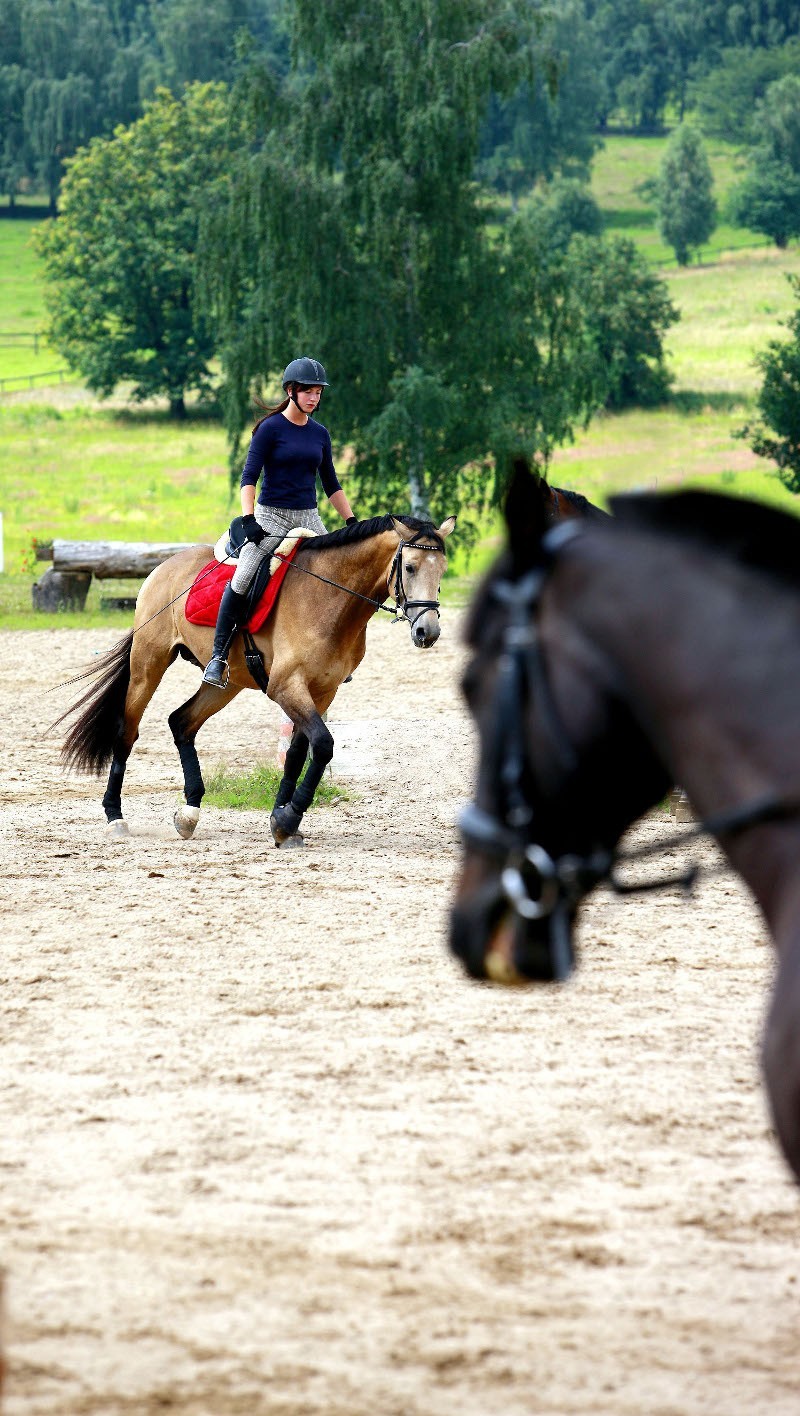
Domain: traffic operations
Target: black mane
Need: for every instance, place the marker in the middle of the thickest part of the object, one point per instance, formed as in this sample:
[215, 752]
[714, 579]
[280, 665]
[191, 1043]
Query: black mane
[363, 530]
[577, 499]
[750, 533]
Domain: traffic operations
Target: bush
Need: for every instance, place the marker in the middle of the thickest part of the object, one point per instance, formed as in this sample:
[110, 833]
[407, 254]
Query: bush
[777, 433]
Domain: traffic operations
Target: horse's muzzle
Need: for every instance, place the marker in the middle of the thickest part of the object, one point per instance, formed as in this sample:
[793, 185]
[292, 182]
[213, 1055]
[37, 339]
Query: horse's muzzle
[494, 942]
[426, 630]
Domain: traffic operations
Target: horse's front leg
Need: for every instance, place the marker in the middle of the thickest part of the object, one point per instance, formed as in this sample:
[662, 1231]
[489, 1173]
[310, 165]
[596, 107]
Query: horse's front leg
[295, 796]
[781, 1056]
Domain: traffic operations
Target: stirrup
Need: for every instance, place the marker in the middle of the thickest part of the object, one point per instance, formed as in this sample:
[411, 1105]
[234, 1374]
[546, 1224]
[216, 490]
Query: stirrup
[218, 679]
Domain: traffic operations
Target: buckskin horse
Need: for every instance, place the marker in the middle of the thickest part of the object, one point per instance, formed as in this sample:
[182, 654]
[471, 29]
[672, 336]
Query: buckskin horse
[609, 659]
[313, 639]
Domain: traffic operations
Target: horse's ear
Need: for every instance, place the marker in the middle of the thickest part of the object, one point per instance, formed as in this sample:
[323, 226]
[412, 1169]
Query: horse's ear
[404, 532]
[525, 514]
[448, 525]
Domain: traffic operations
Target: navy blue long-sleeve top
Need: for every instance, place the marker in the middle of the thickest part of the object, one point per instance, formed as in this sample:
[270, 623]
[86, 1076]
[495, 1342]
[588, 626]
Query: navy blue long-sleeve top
[290, 456]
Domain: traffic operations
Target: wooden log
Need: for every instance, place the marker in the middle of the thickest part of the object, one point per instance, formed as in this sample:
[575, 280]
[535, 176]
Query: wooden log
[114, 560]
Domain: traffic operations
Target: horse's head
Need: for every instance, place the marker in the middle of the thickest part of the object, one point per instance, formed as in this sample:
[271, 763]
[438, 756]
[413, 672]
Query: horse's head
[415, 577]
[563, 768]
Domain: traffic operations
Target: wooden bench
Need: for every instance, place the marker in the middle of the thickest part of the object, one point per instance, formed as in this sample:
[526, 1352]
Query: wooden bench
[73, 563]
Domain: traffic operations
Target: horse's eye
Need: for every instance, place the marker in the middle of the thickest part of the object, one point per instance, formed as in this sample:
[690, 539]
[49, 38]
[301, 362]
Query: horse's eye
[411, 569]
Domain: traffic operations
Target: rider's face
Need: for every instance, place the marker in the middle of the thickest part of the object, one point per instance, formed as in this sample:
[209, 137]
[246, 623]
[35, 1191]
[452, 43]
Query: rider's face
[308, 398]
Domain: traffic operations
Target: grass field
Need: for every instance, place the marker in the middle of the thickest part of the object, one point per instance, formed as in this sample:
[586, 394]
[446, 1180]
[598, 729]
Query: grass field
[72, 467]
[24, 351]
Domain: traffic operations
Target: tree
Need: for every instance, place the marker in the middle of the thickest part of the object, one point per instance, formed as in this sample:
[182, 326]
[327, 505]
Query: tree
[355, 232]
[776, 433]
[547, 125]
[687, 211]
[725, 99]
[120, 258]
[768, 198]
[626, 312]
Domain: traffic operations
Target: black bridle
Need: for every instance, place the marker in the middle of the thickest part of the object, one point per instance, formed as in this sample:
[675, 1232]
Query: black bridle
[534, 884]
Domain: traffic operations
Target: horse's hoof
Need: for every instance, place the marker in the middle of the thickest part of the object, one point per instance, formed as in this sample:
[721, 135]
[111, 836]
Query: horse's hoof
[118, 828]
[283, 823]
[186, 819]
[296, 840]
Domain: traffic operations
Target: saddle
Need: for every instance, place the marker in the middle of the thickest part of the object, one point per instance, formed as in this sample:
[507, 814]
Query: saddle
[202, 601]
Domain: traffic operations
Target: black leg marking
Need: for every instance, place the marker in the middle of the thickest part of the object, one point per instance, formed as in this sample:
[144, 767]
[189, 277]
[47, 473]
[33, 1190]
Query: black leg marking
[193, 785]
[296, 755]
[112, 801]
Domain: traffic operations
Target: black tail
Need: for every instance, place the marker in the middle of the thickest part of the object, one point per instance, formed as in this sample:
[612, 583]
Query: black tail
[89, 744]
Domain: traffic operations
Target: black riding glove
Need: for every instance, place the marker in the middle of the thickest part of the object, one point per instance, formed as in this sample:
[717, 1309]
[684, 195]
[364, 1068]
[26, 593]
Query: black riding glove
[252, 530]
[351, 520]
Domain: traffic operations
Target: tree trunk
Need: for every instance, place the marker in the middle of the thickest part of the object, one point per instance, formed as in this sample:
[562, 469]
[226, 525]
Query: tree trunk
[177, 407]
[416, 480]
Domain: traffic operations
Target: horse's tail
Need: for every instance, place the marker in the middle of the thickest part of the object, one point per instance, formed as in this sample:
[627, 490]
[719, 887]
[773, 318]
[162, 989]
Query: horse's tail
[89, 744]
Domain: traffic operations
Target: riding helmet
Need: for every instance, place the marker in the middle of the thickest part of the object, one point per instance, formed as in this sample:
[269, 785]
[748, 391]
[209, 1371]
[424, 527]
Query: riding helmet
[305, 371]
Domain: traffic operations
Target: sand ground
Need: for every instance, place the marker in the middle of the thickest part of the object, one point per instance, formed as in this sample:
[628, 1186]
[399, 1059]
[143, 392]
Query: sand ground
[264, 1149]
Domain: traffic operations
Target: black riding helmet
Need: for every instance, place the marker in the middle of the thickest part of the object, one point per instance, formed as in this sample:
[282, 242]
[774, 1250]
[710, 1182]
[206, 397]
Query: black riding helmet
[308, 373]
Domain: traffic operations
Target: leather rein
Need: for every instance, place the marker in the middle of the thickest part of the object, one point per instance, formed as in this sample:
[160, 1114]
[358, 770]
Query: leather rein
[534, 884]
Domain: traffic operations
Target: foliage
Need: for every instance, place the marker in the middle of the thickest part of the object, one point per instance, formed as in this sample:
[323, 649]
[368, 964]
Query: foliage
[355, 195]
[568, 207]
[120, 258]
[726, 97]
[626, 314]
[548, 124]
[71, 70]
[776, 434]
[584, 327]
[768, 199]
[687, 211]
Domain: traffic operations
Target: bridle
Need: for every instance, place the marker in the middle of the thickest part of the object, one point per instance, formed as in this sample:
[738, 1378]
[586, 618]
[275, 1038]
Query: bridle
[534, 884]
[398, 589]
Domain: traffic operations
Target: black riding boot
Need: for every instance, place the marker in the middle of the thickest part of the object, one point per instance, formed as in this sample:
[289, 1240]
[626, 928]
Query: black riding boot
[230, 617]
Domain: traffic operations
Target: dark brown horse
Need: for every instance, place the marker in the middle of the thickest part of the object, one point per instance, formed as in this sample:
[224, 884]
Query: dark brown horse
[609, 659]
[313, 639]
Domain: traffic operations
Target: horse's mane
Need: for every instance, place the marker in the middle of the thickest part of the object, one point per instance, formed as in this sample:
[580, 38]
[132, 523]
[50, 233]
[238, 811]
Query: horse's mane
[752, 534]
[579, 501]
[363, 530]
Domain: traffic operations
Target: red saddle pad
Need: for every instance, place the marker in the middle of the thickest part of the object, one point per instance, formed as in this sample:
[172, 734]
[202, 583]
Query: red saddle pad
[202, 602]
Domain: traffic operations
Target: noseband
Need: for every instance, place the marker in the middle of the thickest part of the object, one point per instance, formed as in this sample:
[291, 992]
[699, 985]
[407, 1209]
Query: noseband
[534, 884]
[396, 586]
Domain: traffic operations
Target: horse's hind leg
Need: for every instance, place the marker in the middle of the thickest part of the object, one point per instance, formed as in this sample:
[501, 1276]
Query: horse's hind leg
[293, 800]
[185, 724]
[146, 673]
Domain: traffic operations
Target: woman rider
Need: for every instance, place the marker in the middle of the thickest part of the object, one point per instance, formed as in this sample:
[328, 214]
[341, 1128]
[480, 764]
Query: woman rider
[290, 448]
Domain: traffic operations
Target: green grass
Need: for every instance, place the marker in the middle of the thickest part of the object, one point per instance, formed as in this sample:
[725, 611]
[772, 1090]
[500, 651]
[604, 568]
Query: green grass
[100, 474]
[255, 790]
[22, 310]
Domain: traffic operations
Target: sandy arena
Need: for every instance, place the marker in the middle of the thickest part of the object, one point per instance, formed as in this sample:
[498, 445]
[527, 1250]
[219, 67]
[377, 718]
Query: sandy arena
[266, 1150]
